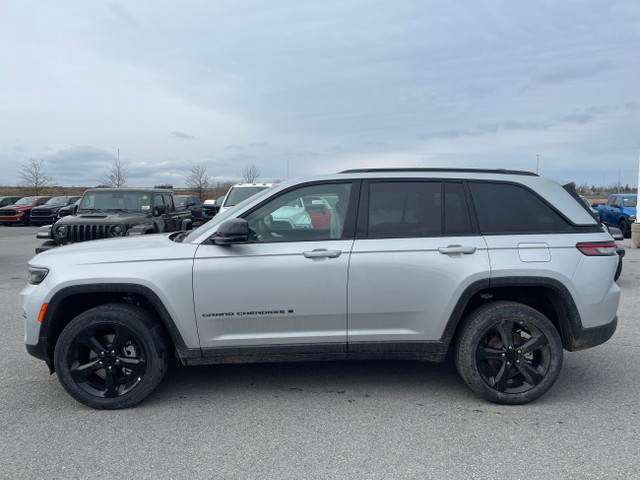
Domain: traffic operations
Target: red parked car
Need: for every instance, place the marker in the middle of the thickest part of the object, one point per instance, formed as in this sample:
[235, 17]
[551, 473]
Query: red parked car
[20, 212]
[319, 211]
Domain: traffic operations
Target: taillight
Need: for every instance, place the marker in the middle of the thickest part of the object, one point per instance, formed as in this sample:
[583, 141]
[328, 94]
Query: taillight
[597, 248]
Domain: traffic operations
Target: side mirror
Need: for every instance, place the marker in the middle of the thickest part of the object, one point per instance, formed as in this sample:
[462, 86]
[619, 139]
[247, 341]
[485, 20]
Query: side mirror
[235, 230]
[161, 209]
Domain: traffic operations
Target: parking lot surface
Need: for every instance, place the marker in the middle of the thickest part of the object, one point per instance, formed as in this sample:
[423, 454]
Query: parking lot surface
[378, 419]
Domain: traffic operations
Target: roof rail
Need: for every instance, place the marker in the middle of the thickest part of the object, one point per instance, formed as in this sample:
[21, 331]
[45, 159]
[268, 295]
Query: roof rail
[456, 170]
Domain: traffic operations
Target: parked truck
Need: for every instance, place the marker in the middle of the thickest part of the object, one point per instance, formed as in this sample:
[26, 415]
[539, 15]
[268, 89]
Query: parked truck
[619, 212]
[117, 212]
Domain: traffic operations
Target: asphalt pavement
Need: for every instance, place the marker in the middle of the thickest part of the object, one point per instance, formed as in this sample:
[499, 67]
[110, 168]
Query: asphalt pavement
[374, 420]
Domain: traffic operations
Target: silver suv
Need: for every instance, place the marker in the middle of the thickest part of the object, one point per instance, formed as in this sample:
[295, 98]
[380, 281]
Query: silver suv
[503, 269]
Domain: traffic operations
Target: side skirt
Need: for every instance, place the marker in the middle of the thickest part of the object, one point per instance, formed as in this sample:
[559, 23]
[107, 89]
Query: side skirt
[422, 351]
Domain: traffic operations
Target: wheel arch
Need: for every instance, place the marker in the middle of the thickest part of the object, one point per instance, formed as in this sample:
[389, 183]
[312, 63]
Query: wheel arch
[72, 301]
[546, 295]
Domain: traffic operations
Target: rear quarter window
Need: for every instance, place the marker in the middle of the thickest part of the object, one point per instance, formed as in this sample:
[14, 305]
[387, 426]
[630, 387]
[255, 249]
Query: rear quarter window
[509, 208]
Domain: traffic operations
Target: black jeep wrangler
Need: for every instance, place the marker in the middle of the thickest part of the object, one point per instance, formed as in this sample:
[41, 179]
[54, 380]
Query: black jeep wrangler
[116, 212]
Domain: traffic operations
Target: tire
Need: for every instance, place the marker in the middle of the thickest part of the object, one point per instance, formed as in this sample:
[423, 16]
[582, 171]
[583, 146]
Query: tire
[625, 228]
[26, 220]
[618, 270]
[508, 353]
[112, 356]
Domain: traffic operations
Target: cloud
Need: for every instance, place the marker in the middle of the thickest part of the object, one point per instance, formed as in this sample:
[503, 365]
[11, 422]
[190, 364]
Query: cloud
[123, 15]
[562, 73]
[580, 117]
[186, 136]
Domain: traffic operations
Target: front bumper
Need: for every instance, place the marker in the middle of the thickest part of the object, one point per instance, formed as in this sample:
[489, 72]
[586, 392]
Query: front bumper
[12, 218]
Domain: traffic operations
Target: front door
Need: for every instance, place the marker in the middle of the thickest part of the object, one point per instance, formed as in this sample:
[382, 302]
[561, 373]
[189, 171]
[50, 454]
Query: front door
[288, 285]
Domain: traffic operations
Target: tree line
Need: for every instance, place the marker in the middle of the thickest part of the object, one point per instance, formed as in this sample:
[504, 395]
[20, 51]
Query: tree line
[33, 178]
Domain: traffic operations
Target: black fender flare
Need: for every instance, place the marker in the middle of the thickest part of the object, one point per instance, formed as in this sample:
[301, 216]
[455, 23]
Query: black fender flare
[45, 347]
[572, 331]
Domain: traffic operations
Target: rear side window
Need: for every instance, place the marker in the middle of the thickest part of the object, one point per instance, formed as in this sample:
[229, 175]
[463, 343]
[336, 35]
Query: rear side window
[507, 208]
[415, 209]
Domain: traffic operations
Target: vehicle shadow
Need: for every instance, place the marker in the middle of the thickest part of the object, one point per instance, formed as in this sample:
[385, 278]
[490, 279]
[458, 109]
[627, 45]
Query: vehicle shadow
[349, 379]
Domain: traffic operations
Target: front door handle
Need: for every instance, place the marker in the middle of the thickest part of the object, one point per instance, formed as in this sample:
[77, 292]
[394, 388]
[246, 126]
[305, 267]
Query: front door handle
[322, 253]
[466, 250]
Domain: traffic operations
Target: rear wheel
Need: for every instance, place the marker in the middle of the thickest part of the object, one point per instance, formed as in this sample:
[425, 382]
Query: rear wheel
[509, 353]
[112, 356]
[625, 228]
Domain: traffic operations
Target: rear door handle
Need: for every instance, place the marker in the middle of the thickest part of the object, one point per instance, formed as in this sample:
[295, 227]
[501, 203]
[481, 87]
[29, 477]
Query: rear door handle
[322, 253]
[466, 250]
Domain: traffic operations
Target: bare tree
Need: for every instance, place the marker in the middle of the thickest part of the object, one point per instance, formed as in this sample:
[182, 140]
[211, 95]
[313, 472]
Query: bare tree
[116, 175]
[32, 176]
[198, 180]
[250, 174]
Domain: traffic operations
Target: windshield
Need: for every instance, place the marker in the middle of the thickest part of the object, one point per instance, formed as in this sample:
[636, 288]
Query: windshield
[238, 194]
[57, 201]
[181, 200]
[630, 201]
[26, 201]
[221, 217]
[103, 201]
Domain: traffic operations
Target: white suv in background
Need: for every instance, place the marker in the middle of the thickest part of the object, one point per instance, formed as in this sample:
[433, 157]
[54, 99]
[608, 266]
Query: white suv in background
[240, 192]
[503, 269]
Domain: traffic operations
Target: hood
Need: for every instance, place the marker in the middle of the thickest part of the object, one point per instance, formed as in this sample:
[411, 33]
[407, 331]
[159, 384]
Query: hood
[18, 207]
[116, 250]
[47, 208]
[106, 218]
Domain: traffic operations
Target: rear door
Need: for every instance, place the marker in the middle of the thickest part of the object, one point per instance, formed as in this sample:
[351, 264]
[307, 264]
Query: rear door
[416, 251]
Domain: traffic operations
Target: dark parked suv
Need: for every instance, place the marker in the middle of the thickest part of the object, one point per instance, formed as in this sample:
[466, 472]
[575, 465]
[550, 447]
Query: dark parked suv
[48, 213]
[503, 270]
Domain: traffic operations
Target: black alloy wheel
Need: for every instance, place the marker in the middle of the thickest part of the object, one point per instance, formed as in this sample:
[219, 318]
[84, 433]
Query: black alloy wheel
[111, 356]
[509, 353]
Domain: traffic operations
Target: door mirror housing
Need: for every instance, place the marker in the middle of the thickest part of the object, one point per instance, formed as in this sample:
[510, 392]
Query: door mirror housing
[235, 230]
[161, 209]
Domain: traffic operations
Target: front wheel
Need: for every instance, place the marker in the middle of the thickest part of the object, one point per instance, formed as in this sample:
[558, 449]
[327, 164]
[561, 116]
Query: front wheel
[509, 353]
[112, 356]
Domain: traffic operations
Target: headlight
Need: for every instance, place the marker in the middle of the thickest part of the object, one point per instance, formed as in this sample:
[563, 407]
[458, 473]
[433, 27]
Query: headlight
[61, 231]
[632, 218]
[116, 231]
[37, 275]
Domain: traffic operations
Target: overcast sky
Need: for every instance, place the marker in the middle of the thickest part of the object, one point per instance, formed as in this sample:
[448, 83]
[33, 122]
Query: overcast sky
[319, 86]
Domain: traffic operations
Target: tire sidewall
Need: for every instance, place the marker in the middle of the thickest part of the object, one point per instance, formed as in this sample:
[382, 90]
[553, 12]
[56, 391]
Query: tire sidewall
[147, 335]
[482, 320]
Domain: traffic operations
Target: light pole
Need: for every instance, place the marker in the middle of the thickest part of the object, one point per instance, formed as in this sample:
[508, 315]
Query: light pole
[537, 163]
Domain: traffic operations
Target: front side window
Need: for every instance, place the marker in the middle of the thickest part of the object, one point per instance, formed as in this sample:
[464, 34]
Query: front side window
[169, 203]
[508, 208]
[314, 212]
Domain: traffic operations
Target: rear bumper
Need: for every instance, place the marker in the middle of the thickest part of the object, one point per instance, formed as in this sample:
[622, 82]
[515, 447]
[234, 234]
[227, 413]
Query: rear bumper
[590, 337]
